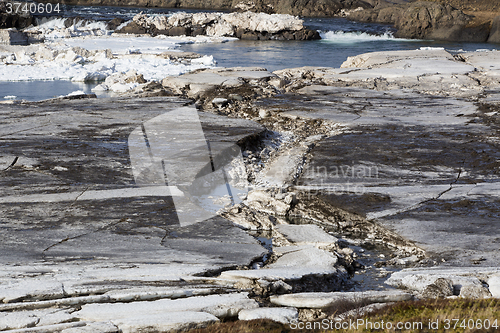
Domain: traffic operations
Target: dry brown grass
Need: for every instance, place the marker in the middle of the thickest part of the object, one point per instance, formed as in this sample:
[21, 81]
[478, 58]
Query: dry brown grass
[405, 312]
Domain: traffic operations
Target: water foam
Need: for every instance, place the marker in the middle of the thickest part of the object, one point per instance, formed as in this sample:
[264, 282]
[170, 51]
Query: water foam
[343, 37]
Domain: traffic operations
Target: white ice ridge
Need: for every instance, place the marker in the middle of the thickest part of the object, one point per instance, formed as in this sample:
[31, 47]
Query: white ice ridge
[86, 59]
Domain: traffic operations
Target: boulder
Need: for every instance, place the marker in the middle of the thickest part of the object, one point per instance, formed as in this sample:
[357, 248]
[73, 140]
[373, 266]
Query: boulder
[132, 28]
[494, 36]
[476, 291]
[440, 288]
[306, 34]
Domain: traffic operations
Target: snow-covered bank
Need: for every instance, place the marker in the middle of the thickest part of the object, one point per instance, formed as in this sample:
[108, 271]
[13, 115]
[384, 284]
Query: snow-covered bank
[94, 58]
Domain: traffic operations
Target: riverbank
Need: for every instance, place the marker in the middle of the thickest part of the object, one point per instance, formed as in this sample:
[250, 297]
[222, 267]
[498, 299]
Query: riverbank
[439, 20]
[357, 181]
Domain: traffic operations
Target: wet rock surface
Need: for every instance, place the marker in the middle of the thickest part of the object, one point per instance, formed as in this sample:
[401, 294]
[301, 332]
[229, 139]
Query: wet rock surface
[359, 180]
[428, 20]
[80, 234]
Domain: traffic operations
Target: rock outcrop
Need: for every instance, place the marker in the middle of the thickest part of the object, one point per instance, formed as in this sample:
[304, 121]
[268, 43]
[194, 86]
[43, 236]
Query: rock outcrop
[14, 20]
[246, 25]
[494, 36]
[425, 20]
[314, 8]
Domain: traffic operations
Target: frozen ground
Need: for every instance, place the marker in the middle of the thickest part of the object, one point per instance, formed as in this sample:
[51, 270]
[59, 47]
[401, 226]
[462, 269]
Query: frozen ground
[96, 58]
[90, 53]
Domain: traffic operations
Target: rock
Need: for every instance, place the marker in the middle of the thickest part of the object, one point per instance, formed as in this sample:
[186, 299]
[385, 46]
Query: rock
[263, 113]
[306, 34]
[180, 19]
[277, 287]
[425, 20]
[315, 8]
[362, 311]
[56, 317]
[304, 256]
[202, 19]
[494, 36]
[196, 85]
[114, 23]
[220, 29]
[475, 291]
[395, 70]
[132, 28]
[249, 36]
[324, 300]
[431, 20]
[377, 59]
[494, 286]
[247, 277]
[281, 315]
[13, 37]
[236, 97]
[179, 31]
[441, 287]
[261, 22]
[294, 263]
[219, 102]
[245, 25]
[475, 34]
[307, 234]
[262, 200]
[39, 289]
[15, 20]
[119, 82]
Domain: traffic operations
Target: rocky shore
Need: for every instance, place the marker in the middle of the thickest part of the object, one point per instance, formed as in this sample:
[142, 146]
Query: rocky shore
[374, 183]
[448, 20]
[246, 25]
